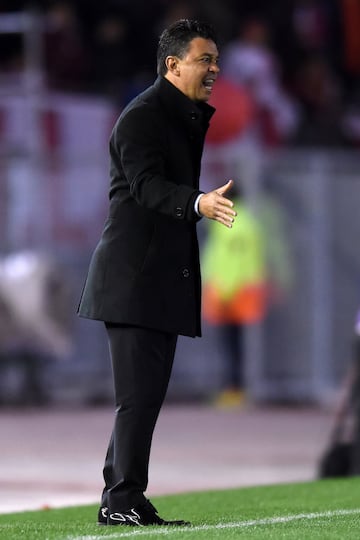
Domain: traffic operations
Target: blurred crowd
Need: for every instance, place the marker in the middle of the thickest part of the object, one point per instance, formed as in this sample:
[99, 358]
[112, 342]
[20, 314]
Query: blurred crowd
[296, 61]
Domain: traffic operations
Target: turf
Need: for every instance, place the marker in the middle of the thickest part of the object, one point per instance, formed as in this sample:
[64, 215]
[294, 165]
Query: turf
[322, 510]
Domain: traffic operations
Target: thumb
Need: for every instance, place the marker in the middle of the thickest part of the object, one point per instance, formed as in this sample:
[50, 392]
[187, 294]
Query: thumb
[226, 187]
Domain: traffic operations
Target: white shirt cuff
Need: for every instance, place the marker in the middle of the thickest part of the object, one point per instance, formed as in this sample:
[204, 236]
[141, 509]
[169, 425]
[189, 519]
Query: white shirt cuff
[196, 204]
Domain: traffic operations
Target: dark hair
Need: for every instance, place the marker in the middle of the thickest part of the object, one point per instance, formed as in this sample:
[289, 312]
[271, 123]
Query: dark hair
[175, 40]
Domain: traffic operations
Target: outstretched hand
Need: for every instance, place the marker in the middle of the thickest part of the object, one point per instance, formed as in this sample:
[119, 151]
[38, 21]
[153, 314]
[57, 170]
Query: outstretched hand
[214, 205]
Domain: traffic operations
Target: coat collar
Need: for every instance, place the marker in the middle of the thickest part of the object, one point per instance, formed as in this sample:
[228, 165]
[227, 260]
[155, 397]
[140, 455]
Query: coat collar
[180, 105]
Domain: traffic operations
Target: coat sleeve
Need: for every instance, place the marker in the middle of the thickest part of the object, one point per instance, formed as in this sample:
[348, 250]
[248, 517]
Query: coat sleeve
[139, 145]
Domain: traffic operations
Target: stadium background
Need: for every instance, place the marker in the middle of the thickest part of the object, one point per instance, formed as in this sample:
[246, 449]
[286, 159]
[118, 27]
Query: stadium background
[68, 68]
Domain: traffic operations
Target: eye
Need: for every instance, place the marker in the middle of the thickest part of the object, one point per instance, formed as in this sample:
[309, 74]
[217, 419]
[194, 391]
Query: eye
[208, 60]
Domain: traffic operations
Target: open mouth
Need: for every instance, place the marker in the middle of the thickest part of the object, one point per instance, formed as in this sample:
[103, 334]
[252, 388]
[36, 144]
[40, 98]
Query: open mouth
[209, 83]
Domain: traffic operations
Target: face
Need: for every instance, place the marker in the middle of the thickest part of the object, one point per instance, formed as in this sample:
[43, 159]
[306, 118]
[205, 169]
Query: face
[195, 74]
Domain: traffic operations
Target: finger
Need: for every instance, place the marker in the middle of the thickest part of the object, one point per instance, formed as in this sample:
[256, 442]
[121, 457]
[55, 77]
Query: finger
[225, 217]
[226, 205]
[225, 188]
[228, 224]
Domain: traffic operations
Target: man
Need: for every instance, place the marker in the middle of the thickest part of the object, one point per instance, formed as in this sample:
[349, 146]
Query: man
[144, 277]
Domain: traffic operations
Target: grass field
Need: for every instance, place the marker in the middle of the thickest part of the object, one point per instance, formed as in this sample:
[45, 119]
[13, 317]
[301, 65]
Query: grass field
[323, 510]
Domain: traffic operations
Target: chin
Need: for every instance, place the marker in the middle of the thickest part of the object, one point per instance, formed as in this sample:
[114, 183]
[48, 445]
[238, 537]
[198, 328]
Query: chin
[204, 97]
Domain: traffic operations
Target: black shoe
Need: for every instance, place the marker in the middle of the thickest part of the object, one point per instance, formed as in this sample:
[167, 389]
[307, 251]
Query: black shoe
[103, 515]
[141, 515]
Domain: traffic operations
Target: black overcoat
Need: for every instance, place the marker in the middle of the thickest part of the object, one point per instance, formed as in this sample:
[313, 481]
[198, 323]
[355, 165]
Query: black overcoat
[145, 270]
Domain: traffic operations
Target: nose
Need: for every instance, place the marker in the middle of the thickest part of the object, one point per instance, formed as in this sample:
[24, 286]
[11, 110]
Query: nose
[214, 67]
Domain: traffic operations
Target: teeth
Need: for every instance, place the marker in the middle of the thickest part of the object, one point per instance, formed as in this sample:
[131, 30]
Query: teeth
[209, 83]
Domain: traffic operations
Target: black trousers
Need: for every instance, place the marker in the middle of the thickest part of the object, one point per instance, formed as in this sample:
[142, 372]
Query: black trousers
[141, 360]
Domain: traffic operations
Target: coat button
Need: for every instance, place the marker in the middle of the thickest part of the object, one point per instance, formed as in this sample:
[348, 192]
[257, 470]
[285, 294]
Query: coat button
[179, 212]
[186, 272]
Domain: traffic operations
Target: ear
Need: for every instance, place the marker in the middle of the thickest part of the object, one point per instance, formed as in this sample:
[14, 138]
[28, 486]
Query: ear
[172, 65]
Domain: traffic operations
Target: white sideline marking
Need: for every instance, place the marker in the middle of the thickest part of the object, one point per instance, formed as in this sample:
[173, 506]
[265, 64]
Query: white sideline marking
[237, 525]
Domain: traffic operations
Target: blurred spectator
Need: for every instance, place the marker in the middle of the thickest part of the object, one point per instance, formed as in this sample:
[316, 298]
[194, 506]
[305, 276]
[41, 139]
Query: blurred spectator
[319, 93]
[235, 112]
[318, 31]
[221, 15]
[350, 14]
[35, 320]
[235, 292]
[311, 25]
[36, 293]
[249, 62]
[11, 43]
[180, 9]
[170, 12]
[350, 17]
[274, 222]
[11, 53]
[112, 65]
[66, 58]
[351, 118]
